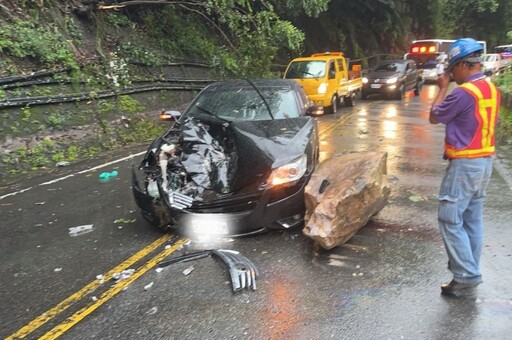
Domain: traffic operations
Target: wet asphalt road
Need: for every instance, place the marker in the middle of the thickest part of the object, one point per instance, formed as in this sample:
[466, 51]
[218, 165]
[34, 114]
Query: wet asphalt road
[382, 284]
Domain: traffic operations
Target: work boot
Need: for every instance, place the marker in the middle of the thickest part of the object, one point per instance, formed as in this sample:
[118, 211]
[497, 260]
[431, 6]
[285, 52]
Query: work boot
[454, 288]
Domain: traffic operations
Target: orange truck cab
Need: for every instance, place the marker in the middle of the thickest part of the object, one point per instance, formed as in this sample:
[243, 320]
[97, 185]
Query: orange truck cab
[326, 79]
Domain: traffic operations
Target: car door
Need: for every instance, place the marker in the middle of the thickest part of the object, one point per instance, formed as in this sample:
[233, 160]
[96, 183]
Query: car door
[410, 76]
[342, 77]
[333, 76]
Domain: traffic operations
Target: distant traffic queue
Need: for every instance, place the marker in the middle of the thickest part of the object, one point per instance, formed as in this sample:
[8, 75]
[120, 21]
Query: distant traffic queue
[426, 53]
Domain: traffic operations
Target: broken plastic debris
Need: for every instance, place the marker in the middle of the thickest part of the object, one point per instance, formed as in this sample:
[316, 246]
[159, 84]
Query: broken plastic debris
[188, 270]
[80, 230]
[100, 278]
[40, 203]
[159, 269]
[335, 263]
[57, 270]
[123, 275]
[125, 220]
[416, 198]
[242, 271]
[152, 311]
[94, 298]
[62, 164]
[104, 176]
[149, 285]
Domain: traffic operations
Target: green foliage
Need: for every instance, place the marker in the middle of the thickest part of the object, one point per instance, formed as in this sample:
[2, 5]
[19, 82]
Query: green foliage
[25, 114]
[119, 20]
[55, 120]
[26, 39]
[117, 70]
[178, 32]
[295, 8]
[129, 105]
[481, 19]
[42, 155]
[504, 82]
[504, 130]
[140, 130]
[139, 53]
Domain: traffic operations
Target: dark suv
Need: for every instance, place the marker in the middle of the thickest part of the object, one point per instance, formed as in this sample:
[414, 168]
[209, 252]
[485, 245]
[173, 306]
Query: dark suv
[393, 78]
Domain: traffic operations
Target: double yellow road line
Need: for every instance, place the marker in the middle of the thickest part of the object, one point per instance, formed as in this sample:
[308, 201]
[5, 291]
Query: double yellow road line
[106, 296]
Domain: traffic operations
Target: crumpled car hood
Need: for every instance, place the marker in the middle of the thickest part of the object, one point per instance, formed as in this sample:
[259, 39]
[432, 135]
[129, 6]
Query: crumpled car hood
[227, 156]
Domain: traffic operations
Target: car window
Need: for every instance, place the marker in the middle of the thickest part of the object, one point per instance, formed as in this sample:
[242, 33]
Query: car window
[243, 103]
[340, 65]
[332, 70]
[390, 67]
[306, 69]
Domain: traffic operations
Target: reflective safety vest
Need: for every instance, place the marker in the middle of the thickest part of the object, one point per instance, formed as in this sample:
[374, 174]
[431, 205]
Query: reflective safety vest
[487, 99]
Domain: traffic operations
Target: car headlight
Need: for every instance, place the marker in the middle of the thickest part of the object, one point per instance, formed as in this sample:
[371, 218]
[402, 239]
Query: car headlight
[289, 172]
[392, 80]
[365, 80]
[322, 89]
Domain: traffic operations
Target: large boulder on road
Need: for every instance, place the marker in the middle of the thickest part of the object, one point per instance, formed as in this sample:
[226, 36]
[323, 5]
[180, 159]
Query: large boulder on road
[343, 194]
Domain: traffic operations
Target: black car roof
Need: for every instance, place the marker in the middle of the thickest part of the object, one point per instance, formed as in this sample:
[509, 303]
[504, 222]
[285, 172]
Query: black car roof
[259, 83]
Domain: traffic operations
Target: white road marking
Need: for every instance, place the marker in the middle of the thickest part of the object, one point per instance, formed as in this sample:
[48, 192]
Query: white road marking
[72, 175]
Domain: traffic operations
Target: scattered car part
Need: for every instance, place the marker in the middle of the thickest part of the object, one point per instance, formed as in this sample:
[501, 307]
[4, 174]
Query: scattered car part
[242, 271]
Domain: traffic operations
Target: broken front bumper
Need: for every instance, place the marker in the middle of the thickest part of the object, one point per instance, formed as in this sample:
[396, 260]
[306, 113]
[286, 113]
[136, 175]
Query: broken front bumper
[235, 215]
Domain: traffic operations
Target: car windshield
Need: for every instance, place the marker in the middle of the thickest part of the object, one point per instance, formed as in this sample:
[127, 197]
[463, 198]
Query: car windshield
[306, 69]
[489, 57]
[424, 61]
[390, 67]
[244, 103]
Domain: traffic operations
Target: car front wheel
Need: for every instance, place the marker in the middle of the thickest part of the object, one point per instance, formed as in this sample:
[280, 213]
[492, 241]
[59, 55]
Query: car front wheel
[159, 222]
[399, 95]
[350, 100]
[334, 105]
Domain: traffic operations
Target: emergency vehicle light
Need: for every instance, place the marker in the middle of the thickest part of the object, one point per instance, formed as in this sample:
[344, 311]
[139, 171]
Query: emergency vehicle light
[423, 49]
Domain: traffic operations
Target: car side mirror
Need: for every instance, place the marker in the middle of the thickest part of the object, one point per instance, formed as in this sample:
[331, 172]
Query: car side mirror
[170, 115]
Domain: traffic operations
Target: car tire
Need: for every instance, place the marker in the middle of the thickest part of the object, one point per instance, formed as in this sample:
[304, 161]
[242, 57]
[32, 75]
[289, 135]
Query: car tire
[350, 100]
[155, 221]
[399, 95]
[334, 105]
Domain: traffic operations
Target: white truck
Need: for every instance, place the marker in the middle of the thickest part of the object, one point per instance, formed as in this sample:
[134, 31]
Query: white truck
[493, 63]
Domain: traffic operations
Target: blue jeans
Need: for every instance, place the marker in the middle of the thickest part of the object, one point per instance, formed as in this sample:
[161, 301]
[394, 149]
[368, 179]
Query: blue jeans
[460, 215]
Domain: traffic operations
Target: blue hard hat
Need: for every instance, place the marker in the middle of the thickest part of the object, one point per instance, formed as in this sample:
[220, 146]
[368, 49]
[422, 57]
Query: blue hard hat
[462, 48]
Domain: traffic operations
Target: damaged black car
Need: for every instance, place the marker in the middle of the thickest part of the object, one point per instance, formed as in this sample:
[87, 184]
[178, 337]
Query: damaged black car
[234, 163]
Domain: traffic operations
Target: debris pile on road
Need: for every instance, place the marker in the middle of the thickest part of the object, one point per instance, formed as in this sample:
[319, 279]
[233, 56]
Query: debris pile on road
[343, 194]
[242, 271]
